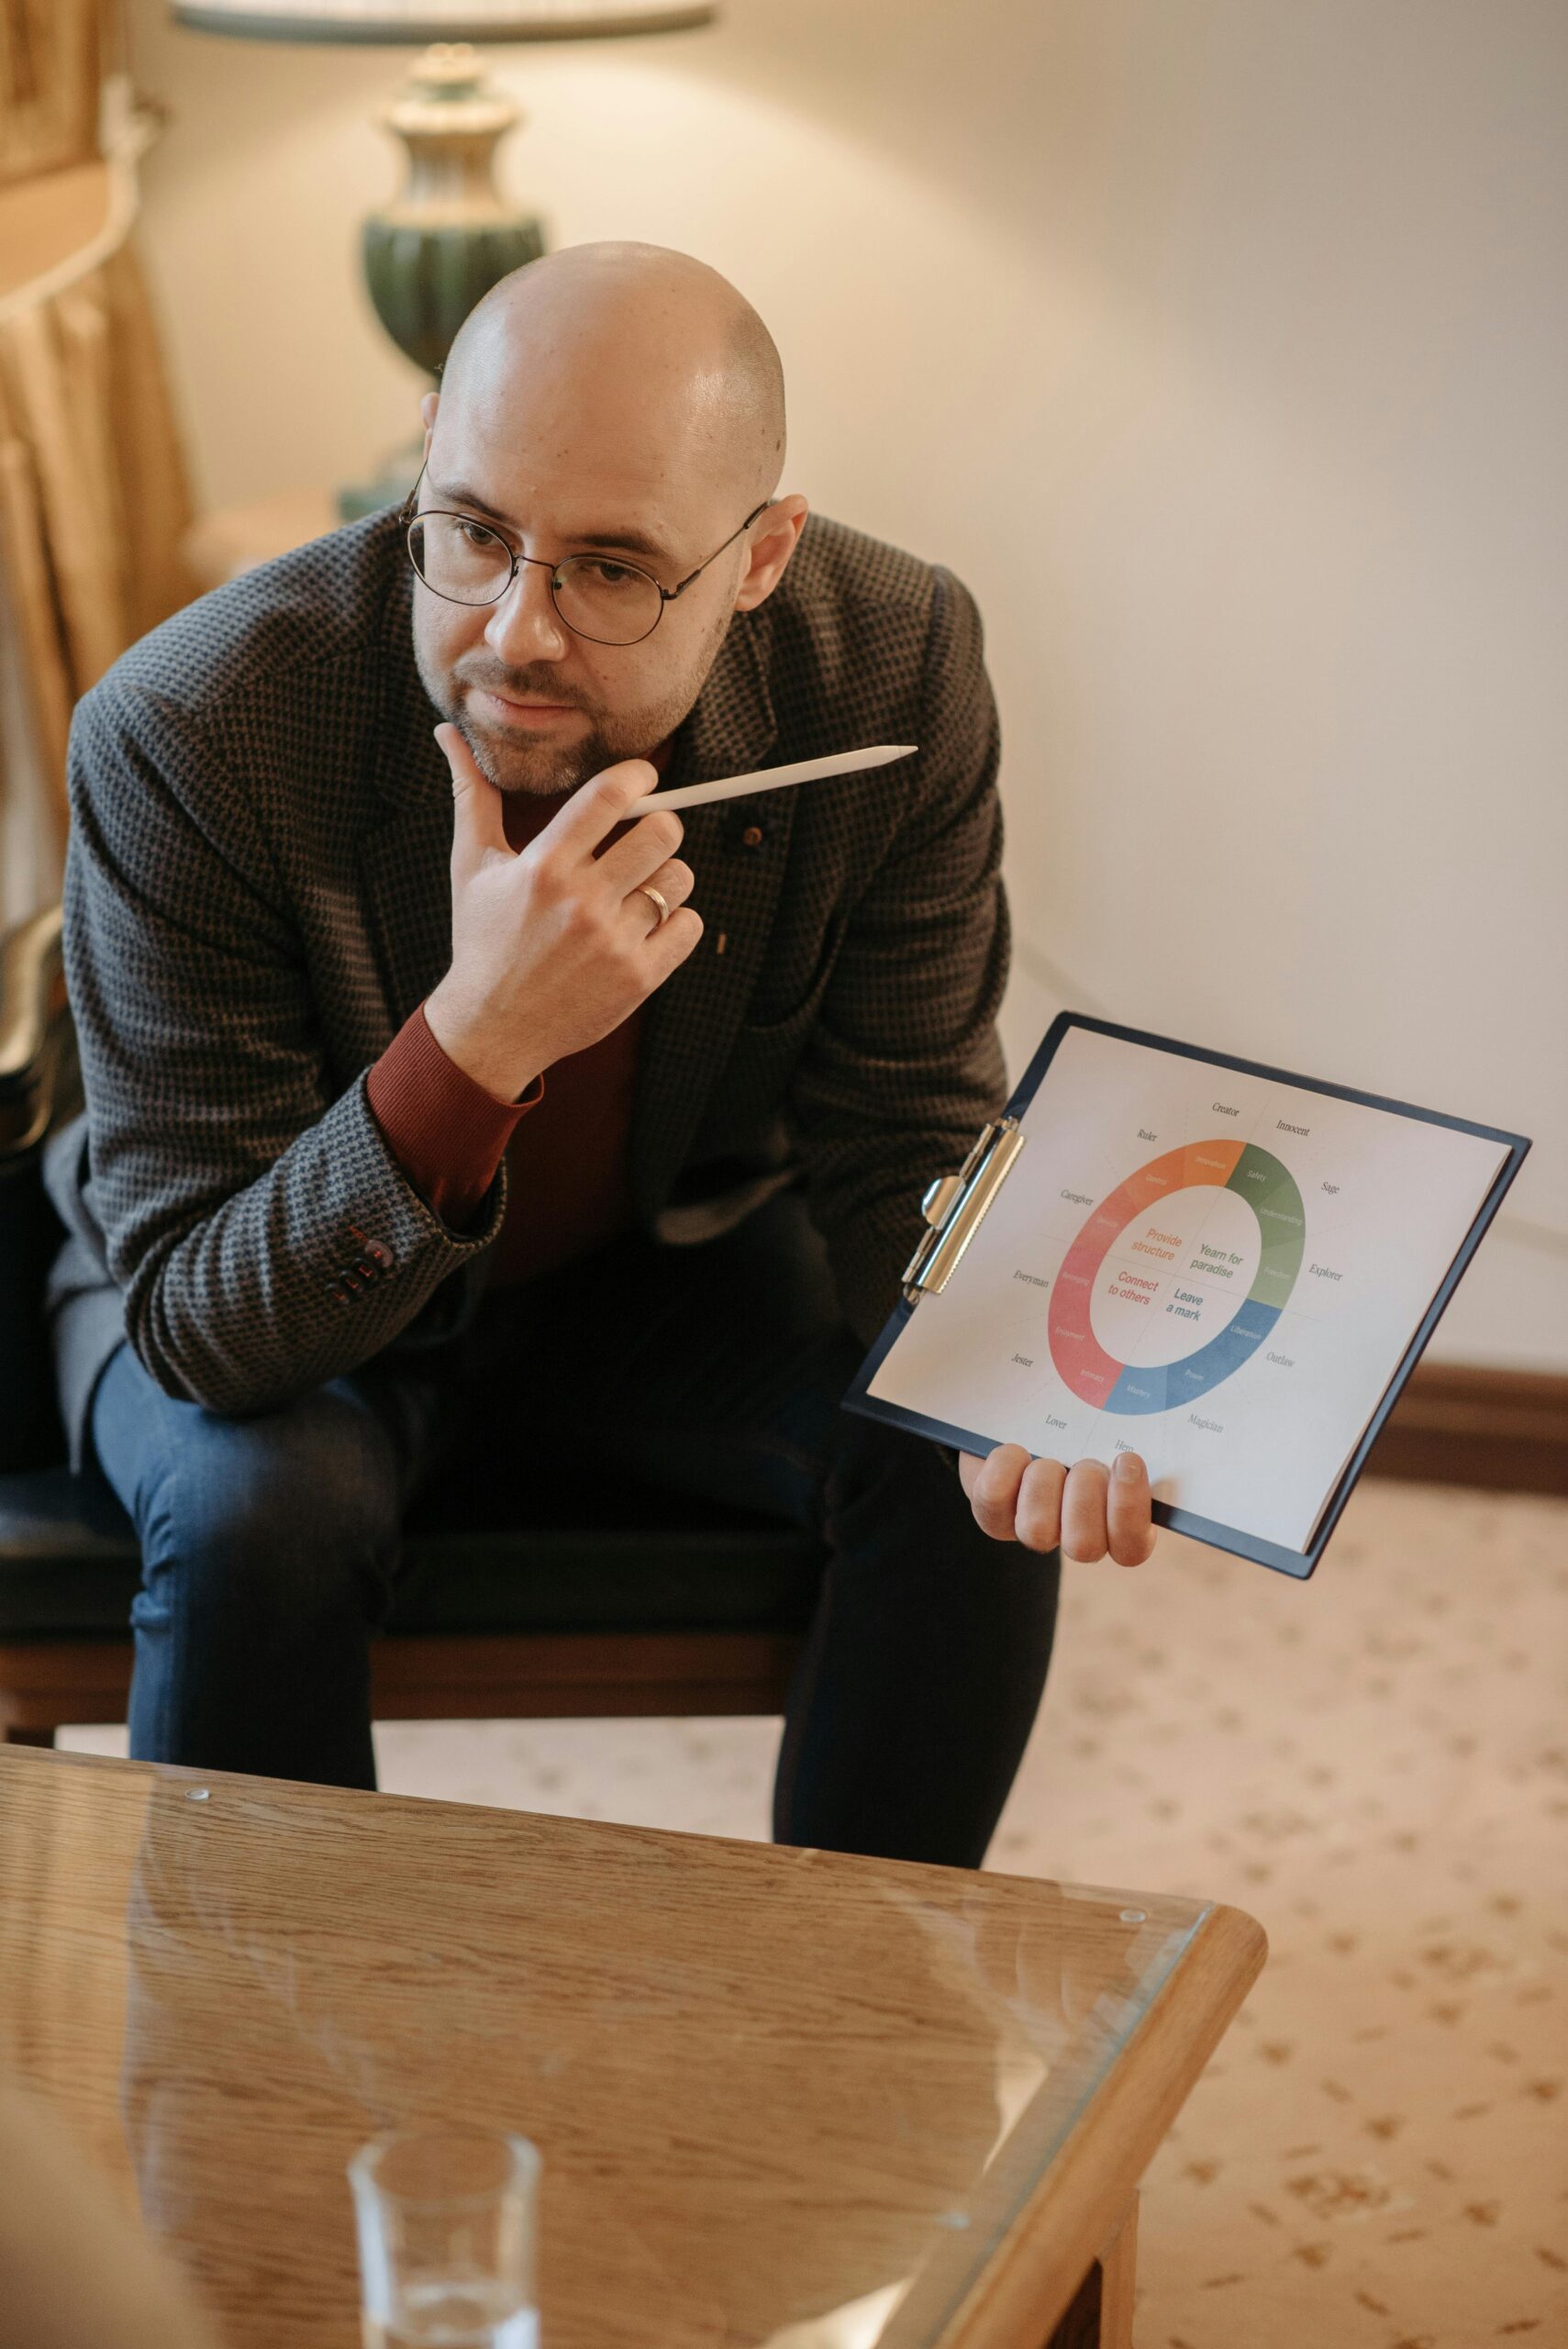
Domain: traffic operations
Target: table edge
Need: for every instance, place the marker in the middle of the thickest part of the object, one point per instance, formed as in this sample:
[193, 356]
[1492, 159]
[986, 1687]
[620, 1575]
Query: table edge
[1030, 2281]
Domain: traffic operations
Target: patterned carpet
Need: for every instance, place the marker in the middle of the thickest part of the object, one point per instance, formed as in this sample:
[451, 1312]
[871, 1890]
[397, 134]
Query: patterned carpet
[1375, 1764]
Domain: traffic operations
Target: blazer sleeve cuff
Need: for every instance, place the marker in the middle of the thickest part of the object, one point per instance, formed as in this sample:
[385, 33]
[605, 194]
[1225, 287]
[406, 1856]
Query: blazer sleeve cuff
[447, 1133]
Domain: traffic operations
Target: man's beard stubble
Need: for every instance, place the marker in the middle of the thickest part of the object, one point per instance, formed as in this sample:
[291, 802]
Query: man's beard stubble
[543, 767]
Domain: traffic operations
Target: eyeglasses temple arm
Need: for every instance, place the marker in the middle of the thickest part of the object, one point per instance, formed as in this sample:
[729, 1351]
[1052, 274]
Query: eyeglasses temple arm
[670, 593]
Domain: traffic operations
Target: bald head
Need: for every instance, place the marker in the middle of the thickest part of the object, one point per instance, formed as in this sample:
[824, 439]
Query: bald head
[646, 349]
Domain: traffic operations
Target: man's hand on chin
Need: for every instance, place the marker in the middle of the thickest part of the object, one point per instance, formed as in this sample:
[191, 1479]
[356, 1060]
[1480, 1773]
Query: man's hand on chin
[1085, 1508]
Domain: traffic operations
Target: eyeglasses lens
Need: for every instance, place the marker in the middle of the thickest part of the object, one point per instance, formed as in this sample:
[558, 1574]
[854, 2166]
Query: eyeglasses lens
[458, 560]
[606, 599]
[609, 601]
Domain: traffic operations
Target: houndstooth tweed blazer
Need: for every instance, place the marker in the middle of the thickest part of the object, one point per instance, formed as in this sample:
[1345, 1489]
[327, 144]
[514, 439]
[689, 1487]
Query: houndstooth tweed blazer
[257, 893]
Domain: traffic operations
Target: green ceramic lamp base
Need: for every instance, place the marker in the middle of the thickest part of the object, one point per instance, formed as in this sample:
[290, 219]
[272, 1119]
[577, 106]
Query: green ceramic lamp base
[445, 240]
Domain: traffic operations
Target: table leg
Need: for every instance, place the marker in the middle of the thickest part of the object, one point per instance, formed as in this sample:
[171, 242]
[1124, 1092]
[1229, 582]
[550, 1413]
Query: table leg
[1117, 2264]
[1101, 2313]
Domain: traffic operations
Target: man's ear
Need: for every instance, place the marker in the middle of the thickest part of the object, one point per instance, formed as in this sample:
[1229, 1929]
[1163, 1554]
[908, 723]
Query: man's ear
[770, 552]
[427, 407]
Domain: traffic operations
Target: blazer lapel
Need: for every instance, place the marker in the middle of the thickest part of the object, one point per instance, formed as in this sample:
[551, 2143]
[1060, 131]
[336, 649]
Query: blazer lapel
[692, 1017]
[404, 853]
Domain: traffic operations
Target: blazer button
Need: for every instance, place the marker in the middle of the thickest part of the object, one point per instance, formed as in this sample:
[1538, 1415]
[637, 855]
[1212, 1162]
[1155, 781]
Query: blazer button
[379, 1255]
[753, 836]
[339, 1295]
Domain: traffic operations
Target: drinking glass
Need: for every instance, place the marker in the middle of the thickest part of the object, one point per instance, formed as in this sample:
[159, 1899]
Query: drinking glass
[445, 2218]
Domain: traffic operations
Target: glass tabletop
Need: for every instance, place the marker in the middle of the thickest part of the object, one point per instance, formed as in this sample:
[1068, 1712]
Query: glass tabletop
[782, 2097]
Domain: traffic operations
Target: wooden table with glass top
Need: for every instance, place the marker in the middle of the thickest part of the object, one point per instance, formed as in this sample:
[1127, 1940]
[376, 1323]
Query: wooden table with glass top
[783, 2098]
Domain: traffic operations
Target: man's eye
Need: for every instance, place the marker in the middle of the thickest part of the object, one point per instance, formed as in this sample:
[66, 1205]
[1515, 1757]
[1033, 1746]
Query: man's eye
[603, 573]
[474, 534]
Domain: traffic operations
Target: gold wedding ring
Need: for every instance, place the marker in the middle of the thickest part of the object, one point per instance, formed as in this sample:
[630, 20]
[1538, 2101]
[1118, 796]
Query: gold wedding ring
[663, 908]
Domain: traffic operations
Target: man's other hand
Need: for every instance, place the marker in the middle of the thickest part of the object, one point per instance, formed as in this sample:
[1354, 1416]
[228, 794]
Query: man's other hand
[1041, 1503]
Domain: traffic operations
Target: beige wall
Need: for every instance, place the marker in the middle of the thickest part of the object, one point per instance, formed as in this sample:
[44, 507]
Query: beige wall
[1217, 345]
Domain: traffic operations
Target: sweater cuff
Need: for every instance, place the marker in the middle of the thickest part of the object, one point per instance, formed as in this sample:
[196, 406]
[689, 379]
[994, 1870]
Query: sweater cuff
[447, 1133]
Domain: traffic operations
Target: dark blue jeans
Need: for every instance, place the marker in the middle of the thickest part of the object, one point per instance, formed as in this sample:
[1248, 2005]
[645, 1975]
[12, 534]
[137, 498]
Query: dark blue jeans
[271, 1544]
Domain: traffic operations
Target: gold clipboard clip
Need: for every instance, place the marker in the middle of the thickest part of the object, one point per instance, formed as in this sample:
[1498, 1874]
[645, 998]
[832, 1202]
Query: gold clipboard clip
[955, 1207]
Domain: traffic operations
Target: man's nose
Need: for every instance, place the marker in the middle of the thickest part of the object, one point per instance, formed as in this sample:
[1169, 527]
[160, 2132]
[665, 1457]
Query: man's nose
[524, 625]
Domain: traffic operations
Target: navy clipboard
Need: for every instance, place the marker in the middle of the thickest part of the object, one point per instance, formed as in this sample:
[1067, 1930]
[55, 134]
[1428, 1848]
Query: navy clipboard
[955, 1204]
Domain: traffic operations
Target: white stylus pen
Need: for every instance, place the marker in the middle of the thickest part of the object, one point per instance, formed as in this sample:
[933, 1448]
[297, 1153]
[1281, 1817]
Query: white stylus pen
[732, 786]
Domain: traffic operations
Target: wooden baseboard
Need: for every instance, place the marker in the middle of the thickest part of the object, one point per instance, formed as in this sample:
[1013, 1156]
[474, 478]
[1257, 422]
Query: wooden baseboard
[495, 1676]
[562, 1677]
[1458, 1423]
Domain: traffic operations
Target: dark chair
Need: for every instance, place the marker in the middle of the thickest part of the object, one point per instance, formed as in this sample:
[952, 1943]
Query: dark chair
[652, 1605]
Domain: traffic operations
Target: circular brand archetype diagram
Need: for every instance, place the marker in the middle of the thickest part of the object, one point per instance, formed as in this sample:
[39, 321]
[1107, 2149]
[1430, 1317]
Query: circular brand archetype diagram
[1269, 1189]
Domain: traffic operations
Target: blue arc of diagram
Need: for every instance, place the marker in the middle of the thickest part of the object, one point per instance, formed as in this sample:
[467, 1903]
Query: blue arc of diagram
[1175, 1383]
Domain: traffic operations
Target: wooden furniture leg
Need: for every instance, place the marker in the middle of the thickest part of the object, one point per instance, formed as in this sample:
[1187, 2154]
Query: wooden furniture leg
[1101, 2313]
[1117, 2264]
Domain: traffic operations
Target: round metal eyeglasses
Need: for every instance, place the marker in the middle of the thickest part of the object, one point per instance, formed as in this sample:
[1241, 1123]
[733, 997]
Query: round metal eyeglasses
[600, 596]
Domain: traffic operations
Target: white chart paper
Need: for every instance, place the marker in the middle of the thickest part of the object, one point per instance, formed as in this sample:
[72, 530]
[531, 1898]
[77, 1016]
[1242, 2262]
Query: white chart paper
[1220, 1271]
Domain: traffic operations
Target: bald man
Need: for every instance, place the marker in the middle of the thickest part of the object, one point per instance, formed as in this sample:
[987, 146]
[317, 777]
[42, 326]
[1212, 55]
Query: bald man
[458, 1139]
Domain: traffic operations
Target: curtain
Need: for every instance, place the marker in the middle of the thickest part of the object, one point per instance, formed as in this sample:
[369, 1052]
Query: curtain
[94, 497]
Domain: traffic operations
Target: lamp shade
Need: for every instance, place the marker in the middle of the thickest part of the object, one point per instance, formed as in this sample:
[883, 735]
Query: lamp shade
[426, 20]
